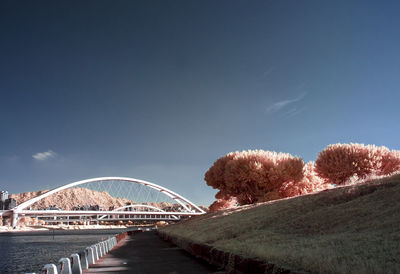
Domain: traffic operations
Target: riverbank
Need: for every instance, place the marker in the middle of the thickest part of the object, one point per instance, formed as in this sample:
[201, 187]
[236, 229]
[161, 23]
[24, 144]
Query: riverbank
[352, 229]
[4, 229]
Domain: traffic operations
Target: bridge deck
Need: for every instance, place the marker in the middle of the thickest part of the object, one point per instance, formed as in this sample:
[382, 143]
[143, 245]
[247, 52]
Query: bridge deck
[146, 253]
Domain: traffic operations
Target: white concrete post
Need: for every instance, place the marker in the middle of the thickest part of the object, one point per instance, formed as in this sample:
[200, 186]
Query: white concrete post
[105, 247]
[109, 245]
[90, 255]
[84, 259]
[95, 252]
[99, 249]
[76, 264]
[50, 269]
[64, 266]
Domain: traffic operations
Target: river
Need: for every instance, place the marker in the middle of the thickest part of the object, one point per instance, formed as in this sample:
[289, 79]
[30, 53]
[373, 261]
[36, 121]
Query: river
[22, 252]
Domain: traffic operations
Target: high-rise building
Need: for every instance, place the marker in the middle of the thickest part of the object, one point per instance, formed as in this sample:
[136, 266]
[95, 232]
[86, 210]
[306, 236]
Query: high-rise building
[10, 203]
[3, 195]
[3, 198]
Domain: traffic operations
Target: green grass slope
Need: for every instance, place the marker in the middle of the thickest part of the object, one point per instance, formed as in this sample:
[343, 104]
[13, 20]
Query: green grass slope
[353, 229]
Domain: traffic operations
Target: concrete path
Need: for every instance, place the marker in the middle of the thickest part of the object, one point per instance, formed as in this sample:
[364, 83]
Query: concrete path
[146, 253]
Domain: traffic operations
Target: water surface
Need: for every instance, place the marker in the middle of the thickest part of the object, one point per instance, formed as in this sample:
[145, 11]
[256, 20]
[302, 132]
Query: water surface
[22, 252]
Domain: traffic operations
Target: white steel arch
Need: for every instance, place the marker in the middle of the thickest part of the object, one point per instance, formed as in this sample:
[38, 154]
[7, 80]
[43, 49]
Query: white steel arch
[178, 198]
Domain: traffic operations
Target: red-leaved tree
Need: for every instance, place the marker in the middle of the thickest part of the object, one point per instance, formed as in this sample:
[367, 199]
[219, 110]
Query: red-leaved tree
[390, 162]
[254, 176]
[311, 182]
[337, 163]
[257, 175]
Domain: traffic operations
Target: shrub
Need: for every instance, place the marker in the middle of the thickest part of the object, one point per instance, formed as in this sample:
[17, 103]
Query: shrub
[221, 204]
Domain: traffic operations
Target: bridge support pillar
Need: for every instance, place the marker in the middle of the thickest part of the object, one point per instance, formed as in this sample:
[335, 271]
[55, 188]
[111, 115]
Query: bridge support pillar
[14, 220]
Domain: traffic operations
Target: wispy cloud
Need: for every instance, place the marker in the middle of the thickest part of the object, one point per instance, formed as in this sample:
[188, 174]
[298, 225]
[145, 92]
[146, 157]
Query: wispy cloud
[277, 106]
[42, 156]
[293, 112]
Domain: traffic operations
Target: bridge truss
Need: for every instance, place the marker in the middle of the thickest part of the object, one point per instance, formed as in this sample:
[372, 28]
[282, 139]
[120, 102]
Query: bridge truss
[106, 199]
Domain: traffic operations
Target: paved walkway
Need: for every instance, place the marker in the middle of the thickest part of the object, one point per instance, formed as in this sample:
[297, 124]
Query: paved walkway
[146, 253]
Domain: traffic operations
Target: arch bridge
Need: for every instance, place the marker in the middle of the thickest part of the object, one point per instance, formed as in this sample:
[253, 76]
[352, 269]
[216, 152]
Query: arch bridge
[143, 200]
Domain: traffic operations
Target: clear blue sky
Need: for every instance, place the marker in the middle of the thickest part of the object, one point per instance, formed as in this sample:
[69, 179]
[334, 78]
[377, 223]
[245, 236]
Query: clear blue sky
[158, 90]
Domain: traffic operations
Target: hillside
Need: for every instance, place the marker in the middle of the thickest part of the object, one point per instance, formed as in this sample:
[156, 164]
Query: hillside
[68, 198]
[352, 229]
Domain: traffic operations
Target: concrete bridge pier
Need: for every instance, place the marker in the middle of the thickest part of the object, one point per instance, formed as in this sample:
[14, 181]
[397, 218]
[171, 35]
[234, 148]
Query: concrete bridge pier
[14, 220]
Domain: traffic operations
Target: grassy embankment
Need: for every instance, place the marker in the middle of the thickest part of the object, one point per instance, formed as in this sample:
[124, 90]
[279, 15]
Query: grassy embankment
[352, 229]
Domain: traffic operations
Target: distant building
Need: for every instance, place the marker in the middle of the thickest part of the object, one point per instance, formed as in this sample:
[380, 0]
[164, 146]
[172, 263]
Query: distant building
[10, 203]
[3, 195]
[5, 202]
[3, 198]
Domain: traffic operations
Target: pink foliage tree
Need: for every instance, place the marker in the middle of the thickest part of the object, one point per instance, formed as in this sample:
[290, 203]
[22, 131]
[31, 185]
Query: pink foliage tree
[311, 182]
[257, 175]
[390, 162]
[215, 175]
[339, 162]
